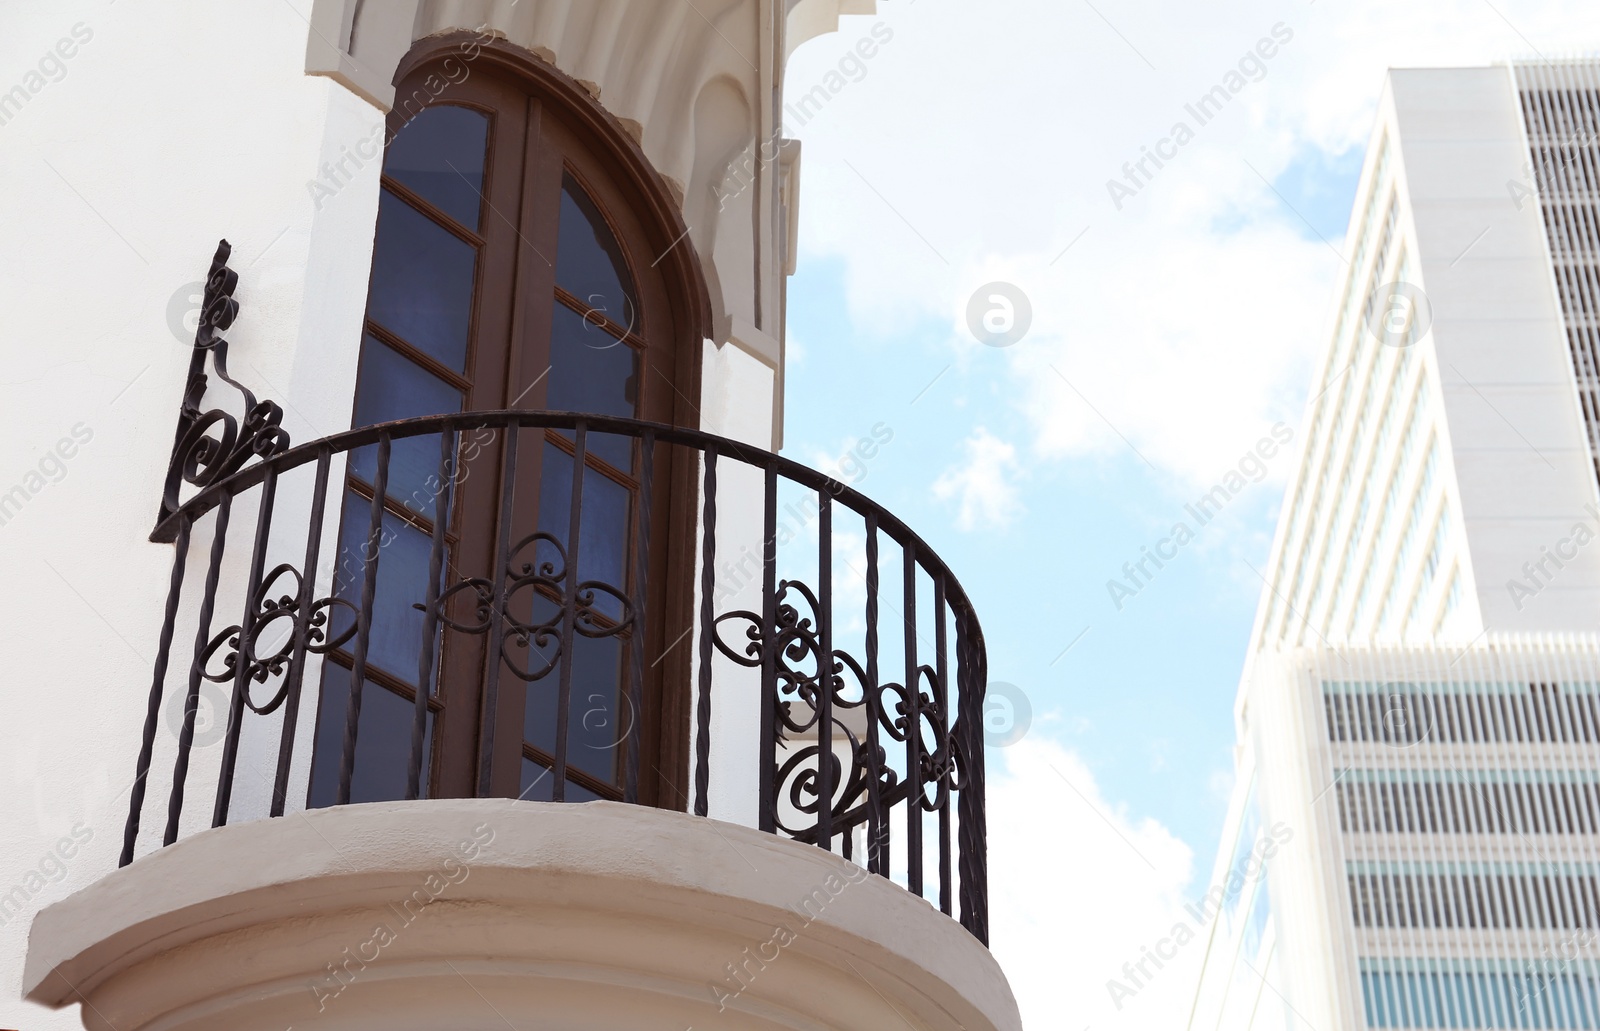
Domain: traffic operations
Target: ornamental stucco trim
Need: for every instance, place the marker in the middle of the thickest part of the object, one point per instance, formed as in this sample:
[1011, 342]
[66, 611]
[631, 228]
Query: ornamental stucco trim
[688, 81]
[647, 61]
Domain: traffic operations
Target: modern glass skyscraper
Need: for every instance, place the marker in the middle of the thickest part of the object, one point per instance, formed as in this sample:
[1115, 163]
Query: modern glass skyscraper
[1414, 838]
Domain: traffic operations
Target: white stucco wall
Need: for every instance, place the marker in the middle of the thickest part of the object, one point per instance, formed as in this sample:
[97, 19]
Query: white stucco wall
[125, 153]
[121, 173]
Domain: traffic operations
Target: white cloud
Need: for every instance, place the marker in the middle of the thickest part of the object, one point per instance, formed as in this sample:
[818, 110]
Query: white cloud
[976, 149]
[1076, 889]
[1186, 321]
[983, 484]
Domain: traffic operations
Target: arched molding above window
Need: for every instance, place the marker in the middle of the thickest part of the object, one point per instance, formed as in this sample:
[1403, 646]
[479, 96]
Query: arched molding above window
[646, 61]
[645, 192]
[692, 85]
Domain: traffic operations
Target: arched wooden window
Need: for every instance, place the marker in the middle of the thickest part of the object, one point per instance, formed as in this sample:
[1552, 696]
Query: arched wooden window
[525, 257]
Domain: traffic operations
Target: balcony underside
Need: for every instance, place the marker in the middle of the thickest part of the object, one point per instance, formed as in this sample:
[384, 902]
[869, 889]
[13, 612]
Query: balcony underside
[476, 913]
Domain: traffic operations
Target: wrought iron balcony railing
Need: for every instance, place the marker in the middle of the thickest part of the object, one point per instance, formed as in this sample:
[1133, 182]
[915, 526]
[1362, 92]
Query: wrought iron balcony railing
[569, 607]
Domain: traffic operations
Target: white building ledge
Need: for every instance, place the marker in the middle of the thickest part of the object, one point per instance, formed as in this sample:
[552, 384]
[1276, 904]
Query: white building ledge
[474, 913]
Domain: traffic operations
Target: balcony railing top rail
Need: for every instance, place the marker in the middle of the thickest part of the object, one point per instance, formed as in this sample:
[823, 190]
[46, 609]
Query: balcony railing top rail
[868, 736]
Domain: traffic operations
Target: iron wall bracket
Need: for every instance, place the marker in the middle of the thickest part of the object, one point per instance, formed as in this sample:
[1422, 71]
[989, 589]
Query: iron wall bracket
[211, 445]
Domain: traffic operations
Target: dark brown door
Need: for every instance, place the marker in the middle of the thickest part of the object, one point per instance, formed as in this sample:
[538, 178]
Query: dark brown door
[506, 273]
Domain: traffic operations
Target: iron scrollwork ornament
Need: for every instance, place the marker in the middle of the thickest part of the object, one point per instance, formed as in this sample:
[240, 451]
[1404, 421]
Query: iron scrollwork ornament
[534, 581]
[275, 624]
[802, 675]
[211, 445]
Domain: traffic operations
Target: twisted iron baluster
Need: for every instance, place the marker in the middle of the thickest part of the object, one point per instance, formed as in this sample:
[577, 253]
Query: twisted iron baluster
[497, 622]
[942, 701]
[708, 561]
[569, 613]
[369, 589]
[974, 864]
[877, 838]
[913, 717]
[208, 601]
[641, 569]
[825, 671]
[767, 792]
[130, 833]
[242, 672]
[303, 630]
[430, 618]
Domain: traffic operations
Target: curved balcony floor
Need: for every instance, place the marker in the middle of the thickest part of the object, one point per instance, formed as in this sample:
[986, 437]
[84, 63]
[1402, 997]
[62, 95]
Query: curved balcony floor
[476, 913]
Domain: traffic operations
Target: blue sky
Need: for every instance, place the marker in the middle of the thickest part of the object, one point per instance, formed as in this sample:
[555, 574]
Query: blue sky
[1171, 330]
[1145, 695]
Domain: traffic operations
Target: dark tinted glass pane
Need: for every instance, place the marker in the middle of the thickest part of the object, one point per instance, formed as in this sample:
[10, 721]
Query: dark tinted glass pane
[592, 371]
[596, 728]
[439, 154]
[383, 742]
[394, 387]
[422, 282]
[536, 782]
[403, 553]
[603, 526]
[589, 262]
